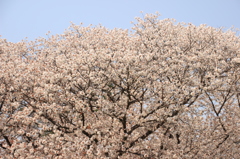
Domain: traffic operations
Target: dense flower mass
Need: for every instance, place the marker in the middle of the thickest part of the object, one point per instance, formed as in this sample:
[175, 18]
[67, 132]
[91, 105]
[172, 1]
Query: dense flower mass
[161, 90]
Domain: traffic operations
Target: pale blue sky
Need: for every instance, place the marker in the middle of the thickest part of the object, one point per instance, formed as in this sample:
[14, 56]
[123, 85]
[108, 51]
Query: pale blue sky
[34, 18]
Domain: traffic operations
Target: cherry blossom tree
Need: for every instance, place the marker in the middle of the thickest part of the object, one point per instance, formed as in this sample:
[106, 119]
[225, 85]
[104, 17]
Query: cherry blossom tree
[162, 90]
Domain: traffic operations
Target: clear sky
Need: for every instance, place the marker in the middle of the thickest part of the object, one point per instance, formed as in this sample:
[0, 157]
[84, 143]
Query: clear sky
[34, 18]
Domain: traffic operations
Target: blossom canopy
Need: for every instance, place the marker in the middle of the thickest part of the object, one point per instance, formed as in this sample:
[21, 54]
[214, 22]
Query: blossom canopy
[163, 89]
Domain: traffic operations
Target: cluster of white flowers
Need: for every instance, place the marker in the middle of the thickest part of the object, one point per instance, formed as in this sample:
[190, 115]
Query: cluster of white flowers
[165, 90]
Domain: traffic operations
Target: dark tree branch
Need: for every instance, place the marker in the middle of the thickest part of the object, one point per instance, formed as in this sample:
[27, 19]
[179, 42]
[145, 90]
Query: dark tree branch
[7, 140]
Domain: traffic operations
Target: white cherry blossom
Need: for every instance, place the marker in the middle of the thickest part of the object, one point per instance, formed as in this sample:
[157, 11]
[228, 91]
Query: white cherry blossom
[163, 90]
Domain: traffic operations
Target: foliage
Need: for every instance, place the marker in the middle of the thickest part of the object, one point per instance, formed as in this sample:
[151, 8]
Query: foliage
[164, 90]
